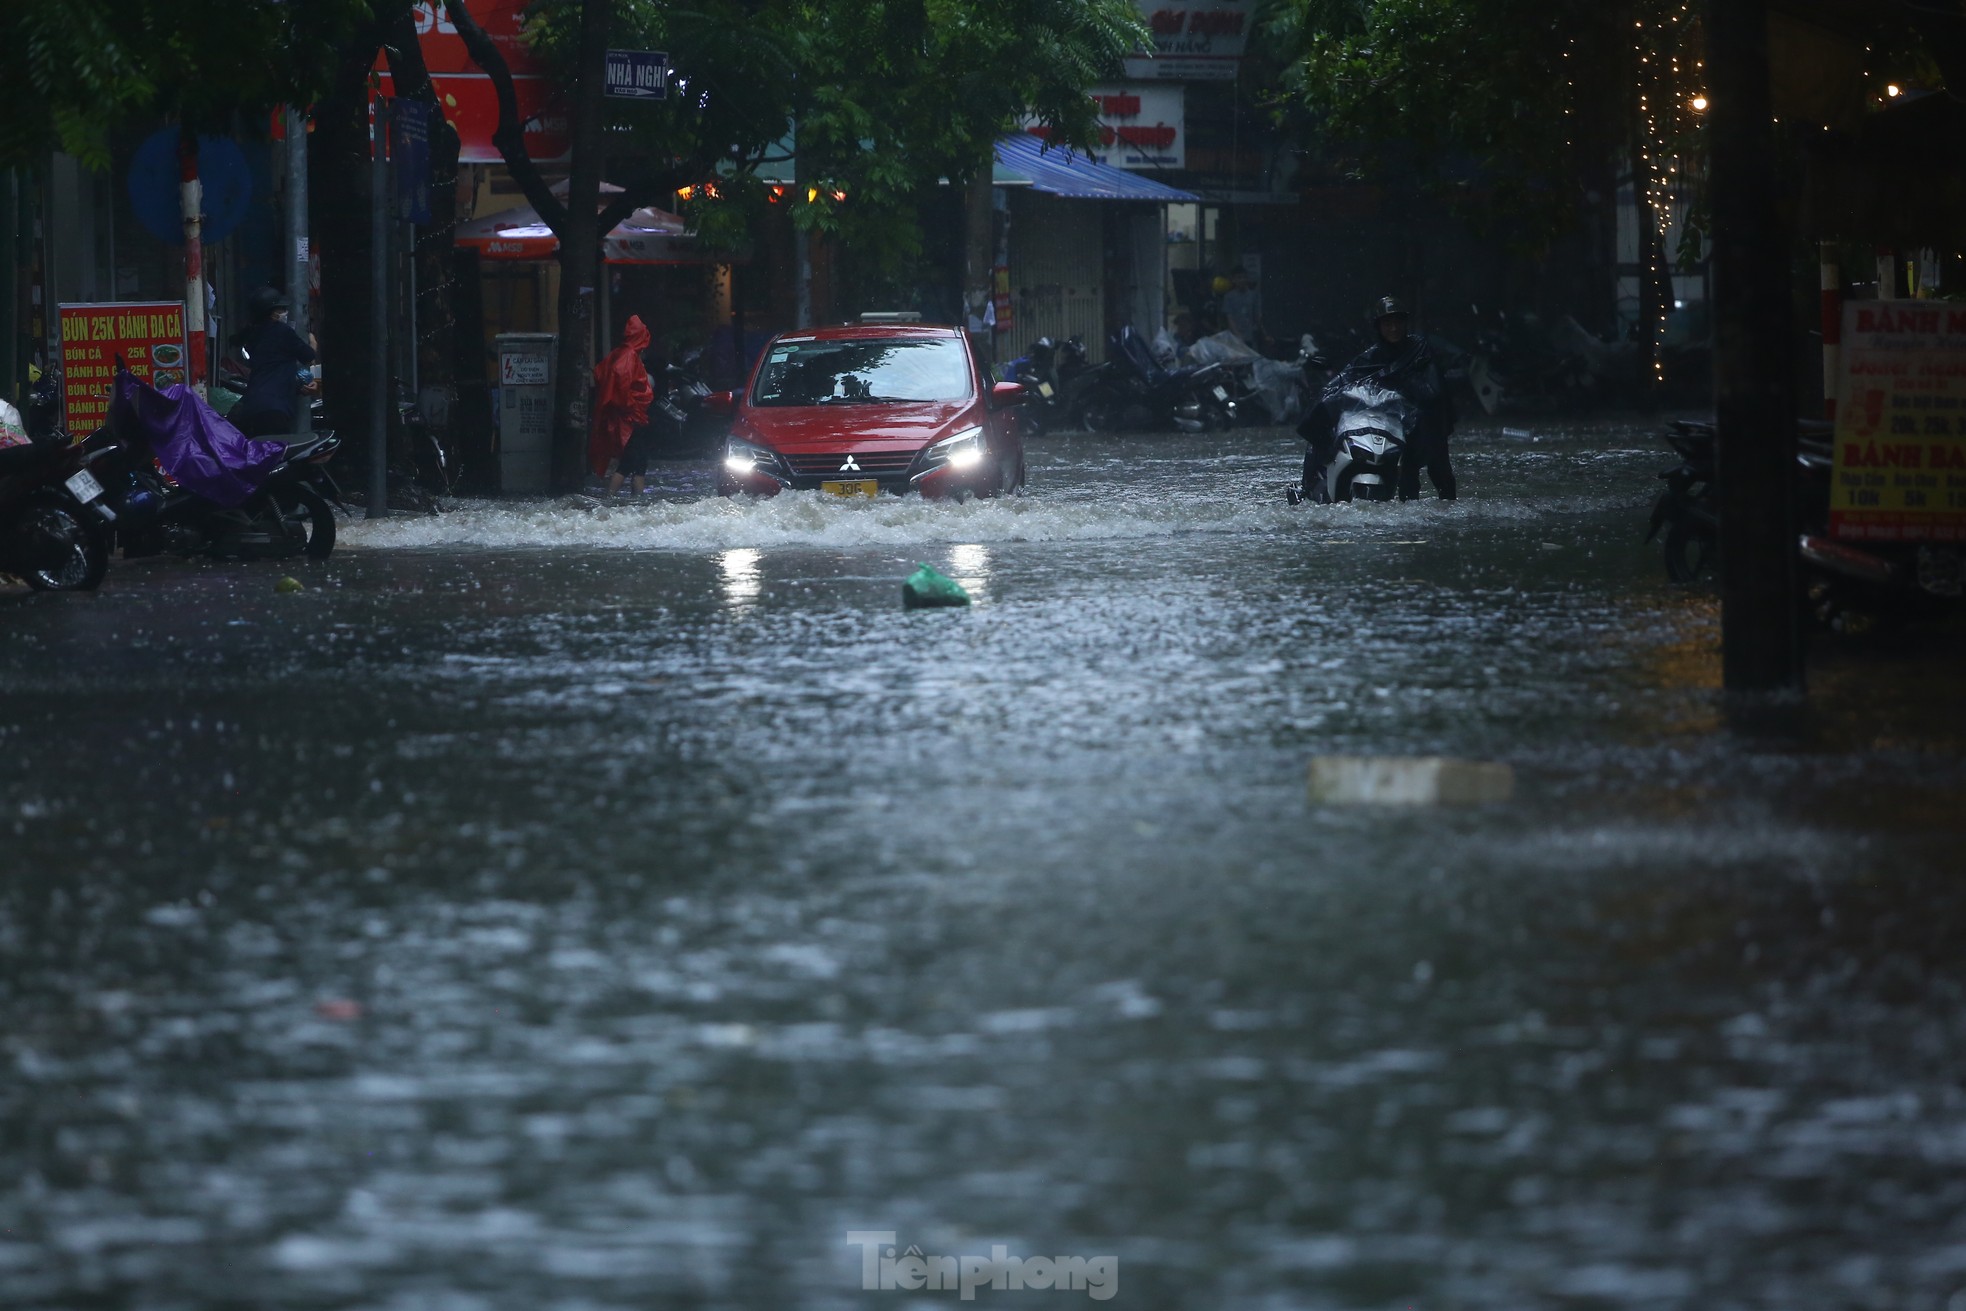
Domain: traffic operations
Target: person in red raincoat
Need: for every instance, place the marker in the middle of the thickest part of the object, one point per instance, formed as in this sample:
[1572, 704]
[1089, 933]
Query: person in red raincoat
[622, 393]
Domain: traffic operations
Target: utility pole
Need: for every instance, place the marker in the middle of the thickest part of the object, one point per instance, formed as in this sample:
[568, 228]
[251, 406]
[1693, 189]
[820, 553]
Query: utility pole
[191, 206]
[1754, 370]
[298, 282]
[378, 505]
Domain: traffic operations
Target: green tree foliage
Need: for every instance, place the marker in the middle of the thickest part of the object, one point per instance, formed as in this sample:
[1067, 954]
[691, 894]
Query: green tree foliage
[1524, 100]
[886, 97]
[74, 69]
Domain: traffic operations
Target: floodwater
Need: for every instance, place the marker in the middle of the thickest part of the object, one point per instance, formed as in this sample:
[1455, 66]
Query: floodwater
[561, 908]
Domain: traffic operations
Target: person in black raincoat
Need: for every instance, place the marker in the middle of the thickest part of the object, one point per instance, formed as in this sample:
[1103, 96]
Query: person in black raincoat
[1399, 361]
[271, 405]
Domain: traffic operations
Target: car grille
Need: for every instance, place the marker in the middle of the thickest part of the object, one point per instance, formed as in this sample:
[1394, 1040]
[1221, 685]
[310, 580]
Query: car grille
[873, 464]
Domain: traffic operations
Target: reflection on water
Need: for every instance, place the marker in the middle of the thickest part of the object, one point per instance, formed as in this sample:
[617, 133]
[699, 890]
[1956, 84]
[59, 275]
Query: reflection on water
[969, 565]
[741, 579]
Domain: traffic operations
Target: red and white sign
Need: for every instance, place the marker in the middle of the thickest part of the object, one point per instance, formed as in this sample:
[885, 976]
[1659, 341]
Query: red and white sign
[465, 91]
[1900, 468]
[1194, 40]
[1143, 128]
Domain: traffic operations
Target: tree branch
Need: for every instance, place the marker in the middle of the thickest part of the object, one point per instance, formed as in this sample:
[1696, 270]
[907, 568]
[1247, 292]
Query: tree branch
[510, 136]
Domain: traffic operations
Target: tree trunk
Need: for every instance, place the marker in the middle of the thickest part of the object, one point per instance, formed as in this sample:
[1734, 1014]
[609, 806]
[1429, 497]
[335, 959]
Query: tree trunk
[338, 159]
[580, 252]
[437, 324]
[1754, 361]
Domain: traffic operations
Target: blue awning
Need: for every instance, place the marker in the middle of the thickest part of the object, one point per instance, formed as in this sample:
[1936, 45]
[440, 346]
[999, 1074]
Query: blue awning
[1063, 173]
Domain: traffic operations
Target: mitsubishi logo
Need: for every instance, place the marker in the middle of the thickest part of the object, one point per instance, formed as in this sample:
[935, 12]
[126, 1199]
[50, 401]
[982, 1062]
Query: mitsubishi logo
[849, 466]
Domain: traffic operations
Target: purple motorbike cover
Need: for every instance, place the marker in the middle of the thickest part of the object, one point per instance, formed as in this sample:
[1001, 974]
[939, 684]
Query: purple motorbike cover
[194, 445]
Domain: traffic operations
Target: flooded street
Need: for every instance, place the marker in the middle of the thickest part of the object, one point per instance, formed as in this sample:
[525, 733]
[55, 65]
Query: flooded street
[568, 908]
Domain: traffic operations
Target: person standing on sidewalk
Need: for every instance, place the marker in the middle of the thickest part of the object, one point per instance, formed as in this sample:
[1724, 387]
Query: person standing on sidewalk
[622, 393]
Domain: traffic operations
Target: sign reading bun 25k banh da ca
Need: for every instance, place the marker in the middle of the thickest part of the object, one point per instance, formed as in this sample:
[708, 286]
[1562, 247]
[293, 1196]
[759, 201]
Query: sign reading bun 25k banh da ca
[1900, 472]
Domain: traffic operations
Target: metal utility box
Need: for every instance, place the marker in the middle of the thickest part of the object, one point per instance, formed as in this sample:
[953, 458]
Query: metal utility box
[525, 412]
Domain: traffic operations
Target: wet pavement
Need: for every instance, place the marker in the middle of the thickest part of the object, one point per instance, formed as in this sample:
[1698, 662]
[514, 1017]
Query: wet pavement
[561, 908]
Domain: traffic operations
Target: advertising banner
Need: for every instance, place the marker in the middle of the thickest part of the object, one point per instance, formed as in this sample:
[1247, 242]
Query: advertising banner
[1194, 40]
[1142, 127]
[409, 151]
[465, 93]
[147, 335]
[1900, 466]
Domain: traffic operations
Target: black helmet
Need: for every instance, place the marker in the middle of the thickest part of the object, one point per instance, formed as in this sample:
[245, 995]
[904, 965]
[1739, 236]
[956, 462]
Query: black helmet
[264, 301]
[1388, 307]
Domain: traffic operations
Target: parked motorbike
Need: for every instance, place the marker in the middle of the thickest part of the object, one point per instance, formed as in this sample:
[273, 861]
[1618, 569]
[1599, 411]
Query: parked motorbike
[1058, 377]
[678, 414]
[53, 516]
[182, 480]
[1516, 362]
[1685, 510]
[1851, 585]
[1137, 391]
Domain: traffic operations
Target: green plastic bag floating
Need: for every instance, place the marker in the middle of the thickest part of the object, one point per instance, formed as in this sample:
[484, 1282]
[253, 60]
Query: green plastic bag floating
[928, 586]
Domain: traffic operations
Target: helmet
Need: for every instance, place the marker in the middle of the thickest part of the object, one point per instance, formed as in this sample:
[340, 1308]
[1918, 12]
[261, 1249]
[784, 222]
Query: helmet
[1220, 285]
[1388, 307]
[264, 301]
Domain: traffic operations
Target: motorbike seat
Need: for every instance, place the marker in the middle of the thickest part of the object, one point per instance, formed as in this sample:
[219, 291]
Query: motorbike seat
[309, 447]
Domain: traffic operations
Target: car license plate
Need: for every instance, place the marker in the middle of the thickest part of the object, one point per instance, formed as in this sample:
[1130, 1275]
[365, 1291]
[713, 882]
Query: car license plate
[857, 487]
[1044, 390]
[1221, 393]
[85, 486]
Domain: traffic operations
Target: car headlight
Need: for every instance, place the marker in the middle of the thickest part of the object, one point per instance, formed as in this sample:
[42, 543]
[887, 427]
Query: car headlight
[742, 457]
[965, 450]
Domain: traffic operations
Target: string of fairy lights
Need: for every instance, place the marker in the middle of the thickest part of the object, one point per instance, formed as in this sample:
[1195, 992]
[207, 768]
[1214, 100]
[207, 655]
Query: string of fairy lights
[1670, 77]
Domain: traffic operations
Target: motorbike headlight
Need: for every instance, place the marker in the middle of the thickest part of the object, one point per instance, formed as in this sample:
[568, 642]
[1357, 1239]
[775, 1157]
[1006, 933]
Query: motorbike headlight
[743, 457]
[965, 450]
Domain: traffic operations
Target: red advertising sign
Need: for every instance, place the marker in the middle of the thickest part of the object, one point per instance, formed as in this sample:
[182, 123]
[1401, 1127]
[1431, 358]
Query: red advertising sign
[465, 91]
[148, 336]
[1900, 468]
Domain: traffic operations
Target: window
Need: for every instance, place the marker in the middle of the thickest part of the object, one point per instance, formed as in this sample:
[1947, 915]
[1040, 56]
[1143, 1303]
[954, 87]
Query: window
[863, 371]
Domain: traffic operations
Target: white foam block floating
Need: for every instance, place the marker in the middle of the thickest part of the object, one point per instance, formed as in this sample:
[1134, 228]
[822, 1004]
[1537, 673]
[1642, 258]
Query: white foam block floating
[1408, 781]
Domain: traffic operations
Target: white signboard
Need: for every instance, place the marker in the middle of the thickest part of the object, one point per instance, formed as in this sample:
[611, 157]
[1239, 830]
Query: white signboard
[1140, 127]
[1194, 40]
[528, 370]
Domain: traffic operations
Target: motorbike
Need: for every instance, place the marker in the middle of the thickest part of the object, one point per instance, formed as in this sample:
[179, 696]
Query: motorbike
[179, 479]
[1059, 377]
[1850, 585]
[1685, 510]
[1138, 392]
[1369, 439]
[53, 515]
[678, 412]
[1516, 361]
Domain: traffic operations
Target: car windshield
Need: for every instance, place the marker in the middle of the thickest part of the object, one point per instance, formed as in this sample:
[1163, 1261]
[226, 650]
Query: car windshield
[863, 371]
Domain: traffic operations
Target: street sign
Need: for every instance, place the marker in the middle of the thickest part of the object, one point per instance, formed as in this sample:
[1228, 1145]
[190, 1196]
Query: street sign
[638, 74]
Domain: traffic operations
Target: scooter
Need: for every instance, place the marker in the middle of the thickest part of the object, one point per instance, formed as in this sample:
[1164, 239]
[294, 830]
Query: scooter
[1138, 392]
[180, 479]
[1368, 441]
[53, 516]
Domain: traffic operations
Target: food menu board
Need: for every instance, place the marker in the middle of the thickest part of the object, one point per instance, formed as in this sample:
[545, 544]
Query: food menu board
[1900, 467]
[147, 335]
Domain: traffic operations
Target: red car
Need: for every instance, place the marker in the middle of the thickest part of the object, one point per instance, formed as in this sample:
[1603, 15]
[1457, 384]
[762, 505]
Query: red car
[857, 411]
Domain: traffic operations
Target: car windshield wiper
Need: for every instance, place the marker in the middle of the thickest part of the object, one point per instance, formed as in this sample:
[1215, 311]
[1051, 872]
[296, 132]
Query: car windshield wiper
[863, 400]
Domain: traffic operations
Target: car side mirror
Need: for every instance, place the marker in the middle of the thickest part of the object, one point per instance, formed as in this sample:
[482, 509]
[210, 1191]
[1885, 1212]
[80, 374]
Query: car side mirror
[721, 402]
[1006, 393]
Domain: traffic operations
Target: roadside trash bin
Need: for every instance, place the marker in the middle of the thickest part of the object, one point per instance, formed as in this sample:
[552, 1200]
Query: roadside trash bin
[928, 586]
[525, 412]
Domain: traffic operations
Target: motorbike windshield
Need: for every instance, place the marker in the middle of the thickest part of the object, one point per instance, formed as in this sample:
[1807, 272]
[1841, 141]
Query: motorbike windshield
[863, 371]
[196, 448]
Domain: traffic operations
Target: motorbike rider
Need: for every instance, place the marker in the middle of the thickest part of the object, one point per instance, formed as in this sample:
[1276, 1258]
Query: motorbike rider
[271, 405]
[1400, 361]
